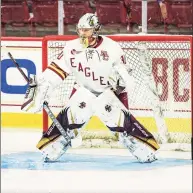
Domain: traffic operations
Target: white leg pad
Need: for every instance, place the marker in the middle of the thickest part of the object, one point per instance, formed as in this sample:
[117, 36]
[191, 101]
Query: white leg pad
[54, 150]
[138, 149]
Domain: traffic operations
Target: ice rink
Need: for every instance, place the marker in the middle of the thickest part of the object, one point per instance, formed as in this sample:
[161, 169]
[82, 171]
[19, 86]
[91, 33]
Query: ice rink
[88, 170]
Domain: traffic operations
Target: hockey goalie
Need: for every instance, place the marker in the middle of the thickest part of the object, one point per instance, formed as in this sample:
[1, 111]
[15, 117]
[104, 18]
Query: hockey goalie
[102, 79]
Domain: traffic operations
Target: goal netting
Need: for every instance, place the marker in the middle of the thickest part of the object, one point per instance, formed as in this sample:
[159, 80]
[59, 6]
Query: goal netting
[161, 99]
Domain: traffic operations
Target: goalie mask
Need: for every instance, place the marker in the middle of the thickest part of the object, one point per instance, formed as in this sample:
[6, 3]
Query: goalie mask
[88, 28]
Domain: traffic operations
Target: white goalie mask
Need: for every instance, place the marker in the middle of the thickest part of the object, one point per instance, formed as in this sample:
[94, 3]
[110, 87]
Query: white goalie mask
[89, 21]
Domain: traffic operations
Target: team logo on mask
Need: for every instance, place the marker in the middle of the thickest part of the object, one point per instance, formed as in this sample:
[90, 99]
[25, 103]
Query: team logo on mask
[91, 20]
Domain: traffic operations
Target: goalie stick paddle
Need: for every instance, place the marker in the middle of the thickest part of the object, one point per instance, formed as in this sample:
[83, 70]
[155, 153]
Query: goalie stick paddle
[45, 104]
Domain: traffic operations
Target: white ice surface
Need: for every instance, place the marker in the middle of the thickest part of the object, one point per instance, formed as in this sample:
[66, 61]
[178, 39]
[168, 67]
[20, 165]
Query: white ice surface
[160, 180]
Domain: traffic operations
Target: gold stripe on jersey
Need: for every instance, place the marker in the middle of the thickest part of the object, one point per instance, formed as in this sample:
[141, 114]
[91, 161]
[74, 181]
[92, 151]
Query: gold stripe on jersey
[55, 68]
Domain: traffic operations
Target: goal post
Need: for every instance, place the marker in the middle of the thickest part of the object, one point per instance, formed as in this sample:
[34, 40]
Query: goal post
[162, 97]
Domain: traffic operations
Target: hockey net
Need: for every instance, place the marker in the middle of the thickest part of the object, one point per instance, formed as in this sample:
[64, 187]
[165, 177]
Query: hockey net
[161, 68]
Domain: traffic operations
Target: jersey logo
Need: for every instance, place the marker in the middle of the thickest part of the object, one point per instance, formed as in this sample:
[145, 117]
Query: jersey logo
[82, 105]
[104, 55]
[108, 108]
[89, 54]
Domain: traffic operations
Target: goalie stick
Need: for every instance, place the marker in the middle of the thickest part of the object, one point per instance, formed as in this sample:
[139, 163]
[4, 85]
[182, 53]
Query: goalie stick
[56, 122]
[45, 104]
[18, 67]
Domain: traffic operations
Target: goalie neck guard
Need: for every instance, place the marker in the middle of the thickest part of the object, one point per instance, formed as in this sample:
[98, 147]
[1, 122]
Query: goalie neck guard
[88, 28]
